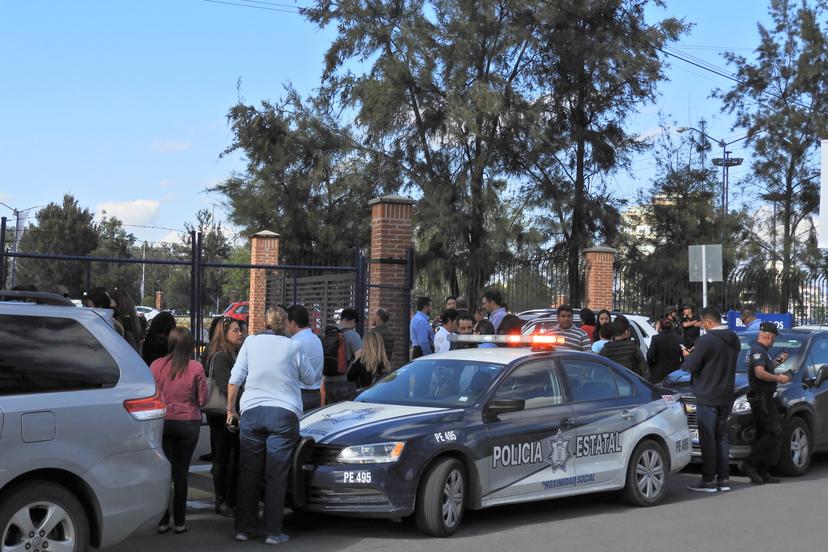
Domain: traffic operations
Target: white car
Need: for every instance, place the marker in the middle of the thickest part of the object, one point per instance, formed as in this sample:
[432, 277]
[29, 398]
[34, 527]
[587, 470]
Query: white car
[147, 312]
[483, 427]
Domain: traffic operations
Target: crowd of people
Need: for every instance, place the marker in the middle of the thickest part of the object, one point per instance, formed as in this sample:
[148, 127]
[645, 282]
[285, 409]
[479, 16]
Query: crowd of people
[253, 389]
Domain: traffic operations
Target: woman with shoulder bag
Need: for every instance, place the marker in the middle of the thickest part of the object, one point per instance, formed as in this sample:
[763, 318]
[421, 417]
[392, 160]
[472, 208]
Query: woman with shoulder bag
[182, 384]
[221, 355]
[370, 366]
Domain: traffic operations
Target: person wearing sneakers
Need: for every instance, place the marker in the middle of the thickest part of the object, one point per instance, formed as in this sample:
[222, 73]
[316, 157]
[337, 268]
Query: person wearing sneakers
[271, 368]
[712, 366]
[763, 382]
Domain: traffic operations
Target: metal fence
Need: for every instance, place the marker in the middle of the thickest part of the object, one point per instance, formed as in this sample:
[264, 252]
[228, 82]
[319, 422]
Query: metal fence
[761, 289]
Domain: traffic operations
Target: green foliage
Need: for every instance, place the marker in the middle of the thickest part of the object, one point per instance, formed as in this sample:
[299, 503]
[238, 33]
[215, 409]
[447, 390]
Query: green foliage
[679, 210]
[781, 99]
[64, 229]
[115, 242]
[303, 181]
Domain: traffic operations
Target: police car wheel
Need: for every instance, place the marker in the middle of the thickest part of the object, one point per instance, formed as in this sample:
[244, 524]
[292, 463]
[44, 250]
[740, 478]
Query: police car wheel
[441, 498]
[795, 455]
[647, 474]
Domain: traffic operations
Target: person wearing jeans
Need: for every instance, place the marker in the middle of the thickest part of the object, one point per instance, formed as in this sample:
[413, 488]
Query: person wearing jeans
[183, 385]
[713, 441]
[270, 367]
[712, 367]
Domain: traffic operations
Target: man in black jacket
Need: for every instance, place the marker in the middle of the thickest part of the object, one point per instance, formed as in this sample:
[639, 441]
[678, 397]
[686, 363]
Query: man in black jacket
[664, 355]
[624, 350]
[712, 366]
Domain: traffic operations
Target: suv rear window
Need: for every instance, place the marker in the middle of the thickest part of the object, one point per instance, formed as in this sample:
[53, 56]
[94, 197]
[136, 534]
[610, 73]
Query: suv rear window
[41, 354]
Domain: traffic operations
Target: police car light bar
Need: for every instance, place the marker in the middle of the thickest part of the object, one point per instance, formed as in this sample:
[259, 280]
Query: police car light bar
[536, 339]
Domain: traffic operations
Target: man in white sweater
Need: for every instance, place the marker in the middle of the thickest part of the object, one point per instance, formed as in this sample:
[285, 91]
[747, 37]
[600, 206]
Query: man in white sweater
[271, 368]
[449, 321]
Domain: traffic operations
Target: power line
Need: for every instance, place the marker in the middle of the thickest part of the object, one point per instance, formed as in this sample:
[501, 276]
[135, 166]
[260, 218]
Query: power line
[274, 4]
[282, 10]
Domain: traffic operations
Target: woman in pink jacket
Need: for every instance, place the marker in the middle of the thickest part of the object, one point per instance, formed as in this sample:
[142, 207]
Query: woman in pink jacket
[183, 385]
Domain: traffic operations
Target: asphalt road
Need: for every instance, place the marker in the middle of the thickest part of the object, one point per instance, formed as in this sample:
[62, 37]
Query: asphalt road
[789, 516]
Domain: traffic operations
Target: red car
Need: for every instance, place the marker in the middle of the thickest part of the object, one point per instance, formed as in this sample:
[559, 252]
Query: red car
[240, 310]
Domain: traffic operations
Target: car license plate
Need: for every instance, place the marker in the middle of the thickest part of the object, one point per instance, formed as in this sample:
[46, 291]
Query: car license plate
[694, 436]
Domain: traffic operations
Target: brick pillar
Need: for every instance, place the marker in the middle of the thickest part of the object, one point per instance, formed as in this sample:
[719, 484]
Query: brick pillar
[264, 249]
[599, 277]
[160, 304]
[392, 234]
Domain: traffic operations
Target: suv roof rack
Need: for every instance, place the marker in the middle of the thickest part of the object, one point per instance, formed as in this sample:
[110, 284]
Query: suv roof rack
[39, 297]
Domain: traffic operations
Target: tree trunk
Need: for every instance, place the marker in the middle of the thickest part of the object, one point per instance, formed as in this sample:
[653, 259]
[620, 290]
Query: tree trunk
[787, 245]
[576, 232]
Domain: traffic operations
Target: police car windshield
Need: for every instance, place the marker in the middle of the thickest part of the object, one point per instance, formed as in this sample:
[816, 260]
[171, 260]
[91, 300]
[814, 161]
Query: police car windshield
[442, 383]
[784, 342]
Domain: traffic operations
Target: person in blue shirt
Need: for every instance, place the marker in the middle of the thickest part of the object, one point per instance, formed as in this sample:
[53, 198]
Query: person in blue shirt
[492, 301]
[749, 320]
[422, 336]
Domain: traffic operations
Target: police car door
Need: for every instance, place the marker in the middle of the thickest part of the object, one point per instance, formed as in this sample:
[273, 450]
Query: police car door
[605, 407]
[524, 457]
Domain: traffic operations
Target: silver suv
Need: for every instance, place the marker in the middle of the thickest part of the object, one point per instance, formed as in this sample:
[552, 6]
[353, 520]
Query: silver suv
[80, 429]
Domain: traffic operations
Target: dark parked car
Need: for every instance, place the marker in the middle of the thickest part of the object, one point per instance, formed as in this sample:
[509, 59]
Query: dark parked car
[803, 403]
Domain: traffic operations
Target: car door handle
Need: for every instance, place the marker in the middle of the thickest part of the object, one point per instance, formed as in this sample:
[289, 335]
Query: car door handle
[627, 414]
[567, 423]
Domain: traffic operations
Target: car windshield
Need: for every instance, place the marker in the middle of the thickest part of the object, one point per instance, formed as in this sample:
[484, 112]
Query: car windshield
[441, 383]
[793, 344]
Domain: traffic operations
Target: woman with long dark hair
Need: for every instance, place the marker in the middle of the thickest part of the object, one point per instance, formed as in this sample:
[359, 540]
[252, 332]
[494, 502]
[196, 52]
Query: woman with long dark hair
[155, 345]
[184, 388]
[221, 355]
[604, 317]
[125, 314]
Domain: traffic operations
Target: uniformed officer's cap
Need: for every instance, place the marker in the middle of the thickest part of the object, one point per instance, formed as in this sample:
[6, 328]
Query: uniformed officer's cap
[769, 327]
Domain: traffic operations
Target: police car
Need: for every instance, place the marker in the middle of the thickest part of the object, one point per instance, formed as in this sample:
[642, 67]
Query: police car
[484, 427]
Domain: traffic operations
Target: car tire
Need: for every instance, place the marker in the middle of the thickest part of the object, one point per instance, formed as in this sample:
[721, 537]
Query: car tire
[441, 499]
[797, 448]
[40, 512]
[647, 473]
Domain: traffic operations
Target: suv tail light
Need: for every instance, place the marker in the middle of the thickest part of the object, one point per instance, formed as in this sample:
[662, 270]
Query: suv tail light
[148, 408]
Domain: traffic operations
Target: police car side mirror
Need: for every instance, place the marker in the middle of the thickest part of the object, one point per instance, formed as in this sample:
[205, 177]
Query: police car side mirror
[822, 375]
[502, 406]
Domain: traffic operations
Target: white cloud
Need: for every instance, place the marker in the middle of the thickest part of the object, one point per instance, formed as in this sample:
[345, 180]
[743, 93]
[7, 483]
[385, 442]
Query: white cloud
[170, 146]
[138, 211]
[164, 184]
[171, 237]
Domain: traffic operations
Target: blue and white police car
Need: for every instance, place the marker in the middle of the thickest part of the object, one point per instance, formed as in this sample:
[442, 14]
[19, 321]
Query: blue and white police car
[483, 427]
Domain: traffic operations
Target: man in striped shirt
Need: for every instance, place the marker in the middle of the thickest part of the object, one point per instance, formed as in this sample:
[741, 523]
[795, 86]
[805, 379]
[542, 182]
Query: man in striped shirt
[574, 338]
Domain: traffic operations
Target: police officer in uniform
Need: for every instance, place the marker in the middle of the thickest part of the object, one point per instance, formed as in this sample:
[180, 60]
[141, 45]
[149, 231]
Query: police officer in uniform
[763, 382]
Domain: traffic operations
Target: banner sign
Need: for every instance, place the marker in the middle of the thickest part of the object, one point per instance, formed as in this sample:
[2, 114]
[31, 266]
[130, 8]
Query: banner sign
[782, 321]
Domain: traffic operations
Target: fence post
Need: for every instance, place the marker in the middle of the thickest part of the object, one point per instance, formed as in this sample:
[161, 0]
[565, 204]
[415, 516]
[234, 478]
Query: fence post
[264, 249]
[359, 290]
[193, 279]
[199, 320]
[599, 277]
[391, 237]
[3, 253]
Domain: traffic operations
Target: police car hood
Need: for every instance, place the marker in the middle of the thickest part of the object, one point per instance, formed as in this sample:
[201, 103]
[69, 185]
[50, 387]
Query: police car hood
[348, 422]
[679, 381]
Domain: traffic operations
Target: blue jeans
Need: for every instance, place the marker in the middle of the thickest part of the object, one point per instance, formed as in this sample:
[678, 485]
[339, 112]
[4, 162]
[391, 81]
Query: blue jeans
[268, 437]
[713, 441]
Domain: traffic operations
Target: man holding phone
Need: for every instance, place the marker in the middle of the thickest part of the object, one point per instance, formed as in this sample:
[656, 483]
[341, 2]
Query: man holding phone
[763, 382]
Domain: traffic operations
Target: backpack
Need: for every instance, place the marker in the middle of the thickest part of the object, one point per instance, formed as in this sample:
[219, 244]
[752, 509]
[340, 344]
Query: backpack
[333, 347]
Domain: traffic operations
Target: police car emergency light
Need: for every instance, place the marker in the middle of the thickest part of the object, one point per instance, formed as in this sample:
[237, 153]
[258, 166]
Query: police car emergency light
[538, 342]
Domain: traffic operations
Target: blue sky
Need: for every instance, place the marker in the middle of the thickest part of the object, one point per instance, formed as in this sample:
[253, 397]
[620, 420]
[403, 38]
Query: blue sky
[123, 103]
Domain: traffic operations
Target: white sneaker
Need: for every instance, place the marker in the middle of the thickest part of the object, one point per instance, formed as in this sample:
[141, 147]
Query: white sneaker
[277, 539]
[242, 537]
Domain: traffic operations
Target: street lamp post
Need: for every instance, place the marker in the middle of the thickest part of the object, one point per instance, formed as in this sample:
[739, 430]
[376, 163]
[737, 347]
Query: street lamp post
[725, 162]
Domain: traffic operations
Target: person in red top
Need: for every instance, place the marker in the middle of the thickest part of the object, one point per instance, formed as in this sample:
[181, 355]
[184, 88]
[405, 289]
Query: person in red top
[183, 385]
[588, 323]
